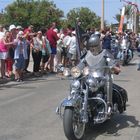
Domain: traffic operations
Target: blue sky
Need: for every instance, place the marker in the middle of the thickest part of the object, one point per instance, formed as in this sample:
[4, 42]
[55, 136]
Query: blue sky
[112, 7]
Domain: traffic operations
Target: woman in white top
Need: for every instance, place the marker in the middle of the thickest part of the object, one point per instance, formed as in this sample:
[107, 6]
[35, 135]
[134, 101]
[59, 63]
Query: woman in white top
[37, 52]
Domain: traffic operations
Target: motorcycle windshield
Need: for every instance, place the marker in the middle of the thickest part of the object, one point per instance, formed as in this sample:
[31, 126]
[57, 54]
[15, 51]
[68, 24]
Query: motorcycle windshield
[97, 61]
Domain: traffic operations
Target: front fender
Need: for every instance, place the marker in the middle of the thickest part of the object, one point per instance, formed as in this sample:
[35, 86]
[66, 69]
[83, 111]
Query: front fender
[68, 102]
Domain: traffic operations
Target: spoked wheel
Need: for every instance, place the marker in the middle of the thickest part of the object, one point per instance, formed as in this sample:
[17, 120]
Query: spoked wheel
[74, 128]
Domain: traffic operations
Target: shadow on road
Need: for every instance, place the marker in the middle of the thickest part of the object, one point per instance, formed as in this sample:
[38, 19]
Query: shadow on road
[111, 127]
[27, 81]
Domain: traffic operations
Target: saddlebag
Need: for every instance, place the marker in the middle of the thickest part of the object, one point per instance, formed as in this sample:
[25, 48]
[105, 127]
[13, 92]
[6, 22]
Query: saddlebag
[120, 97]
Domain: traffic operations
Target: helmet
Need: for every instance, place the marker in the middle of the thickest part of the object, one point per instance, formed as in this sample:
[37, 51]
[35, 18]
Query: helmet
[94, 44]
[97, 33]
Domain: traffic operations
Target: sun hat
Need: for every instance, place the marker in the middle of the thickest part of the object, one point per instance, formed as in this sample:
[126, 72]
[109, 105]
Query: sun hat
[19, 27]
[20, 34]
[39, 32]
[12, 27]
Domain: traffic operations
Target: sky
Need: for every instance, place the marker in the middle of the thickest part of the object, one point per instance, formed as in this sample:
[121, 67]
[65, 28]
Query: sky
[112, 7]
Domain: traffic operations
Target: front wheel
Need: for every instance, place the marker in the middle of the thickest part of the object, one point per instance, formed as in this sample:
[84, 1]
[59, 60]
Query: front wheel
[74, 128]
[124, 62]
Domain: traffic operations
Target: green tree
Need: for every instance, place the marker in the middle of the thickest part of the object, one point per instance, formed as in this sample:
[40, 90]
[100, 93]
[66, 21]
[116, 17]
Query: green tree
[25, 12]
[88, 18]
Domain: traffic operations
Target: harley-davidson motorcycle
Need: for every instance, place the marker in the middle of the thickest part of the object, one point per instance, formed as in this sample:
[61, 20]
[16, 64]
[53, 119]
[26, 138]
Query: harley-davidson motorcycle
[93, 97]
[125, 53]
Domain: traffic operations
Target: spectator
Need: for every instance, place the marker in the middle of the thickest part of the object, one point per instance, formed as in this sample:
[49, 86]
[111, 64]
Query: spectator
[66, 41]
[1, 32]
[52, 37]
[20, 55]
[60, 47]
[4, 53]
[28, 32]
[46, 51]
[11, 36]
[37, 52]
[106, 41]
[19, 28]
[72, 54]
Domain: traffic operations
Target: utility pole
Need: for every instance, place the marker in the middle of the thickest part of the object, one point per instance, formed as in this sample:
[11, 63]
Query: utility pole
[135, 18]
[102, 17]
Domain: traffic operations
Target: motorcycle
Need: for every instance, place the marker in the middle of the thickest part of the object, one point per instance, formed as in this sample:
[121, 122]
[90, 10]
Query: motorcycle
[125, 54]
[114, 46]
[93, 98]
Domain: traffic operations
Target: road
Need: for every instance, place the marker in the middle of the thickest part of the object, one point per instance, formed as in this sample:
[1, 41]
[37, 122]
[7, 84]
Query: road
[27, 110]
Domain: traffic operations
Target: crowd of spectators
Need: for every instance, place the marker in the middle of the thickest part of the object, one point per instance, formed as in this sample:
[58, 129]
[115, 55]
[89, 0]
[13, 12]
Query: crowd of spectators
[47, 47]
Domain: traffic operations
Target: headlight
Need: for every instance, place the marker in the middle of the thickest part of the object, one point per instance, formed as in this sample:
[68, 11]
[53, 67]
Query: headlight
[75, 84]
[75, 72]
[92, 82]
[86, 71]
[95, 74]
[66, 72]
[108, 59]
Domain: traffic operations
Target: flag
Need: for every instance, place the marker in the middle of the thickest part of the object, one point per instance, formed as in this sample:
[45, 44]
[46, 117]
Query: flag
[80, 36]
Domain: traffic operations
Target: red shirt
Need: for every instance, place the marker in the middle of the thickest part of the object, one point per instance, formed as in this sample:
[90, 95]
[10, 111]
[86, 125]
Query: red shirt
[52, 37]
[27, 31]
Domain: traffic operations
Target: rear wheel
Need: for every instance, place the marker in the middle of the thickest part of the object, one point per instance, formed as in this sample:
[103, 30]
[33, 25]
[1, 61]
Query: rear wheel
[74, 128]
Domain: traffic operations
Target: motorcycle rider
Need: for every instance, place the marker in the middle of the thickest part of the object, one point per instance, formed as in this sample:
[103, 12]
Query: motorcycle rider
[96, 56]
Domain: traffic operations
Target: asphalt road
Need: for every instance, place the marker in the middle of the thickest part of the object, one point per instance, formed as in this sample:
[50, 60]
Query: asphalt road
[27, 110]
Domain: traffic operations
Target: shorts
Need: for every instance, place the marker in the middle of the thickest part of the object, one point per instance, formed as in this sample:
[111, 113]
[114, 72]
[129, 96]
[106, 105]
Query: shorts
[20, 63]
[3, 55]
[54, 50]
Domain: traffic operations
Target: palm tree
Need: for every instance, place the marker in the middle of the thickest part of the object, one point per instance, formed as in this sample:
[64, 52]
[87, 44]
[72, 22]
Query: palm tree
[128, 11]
